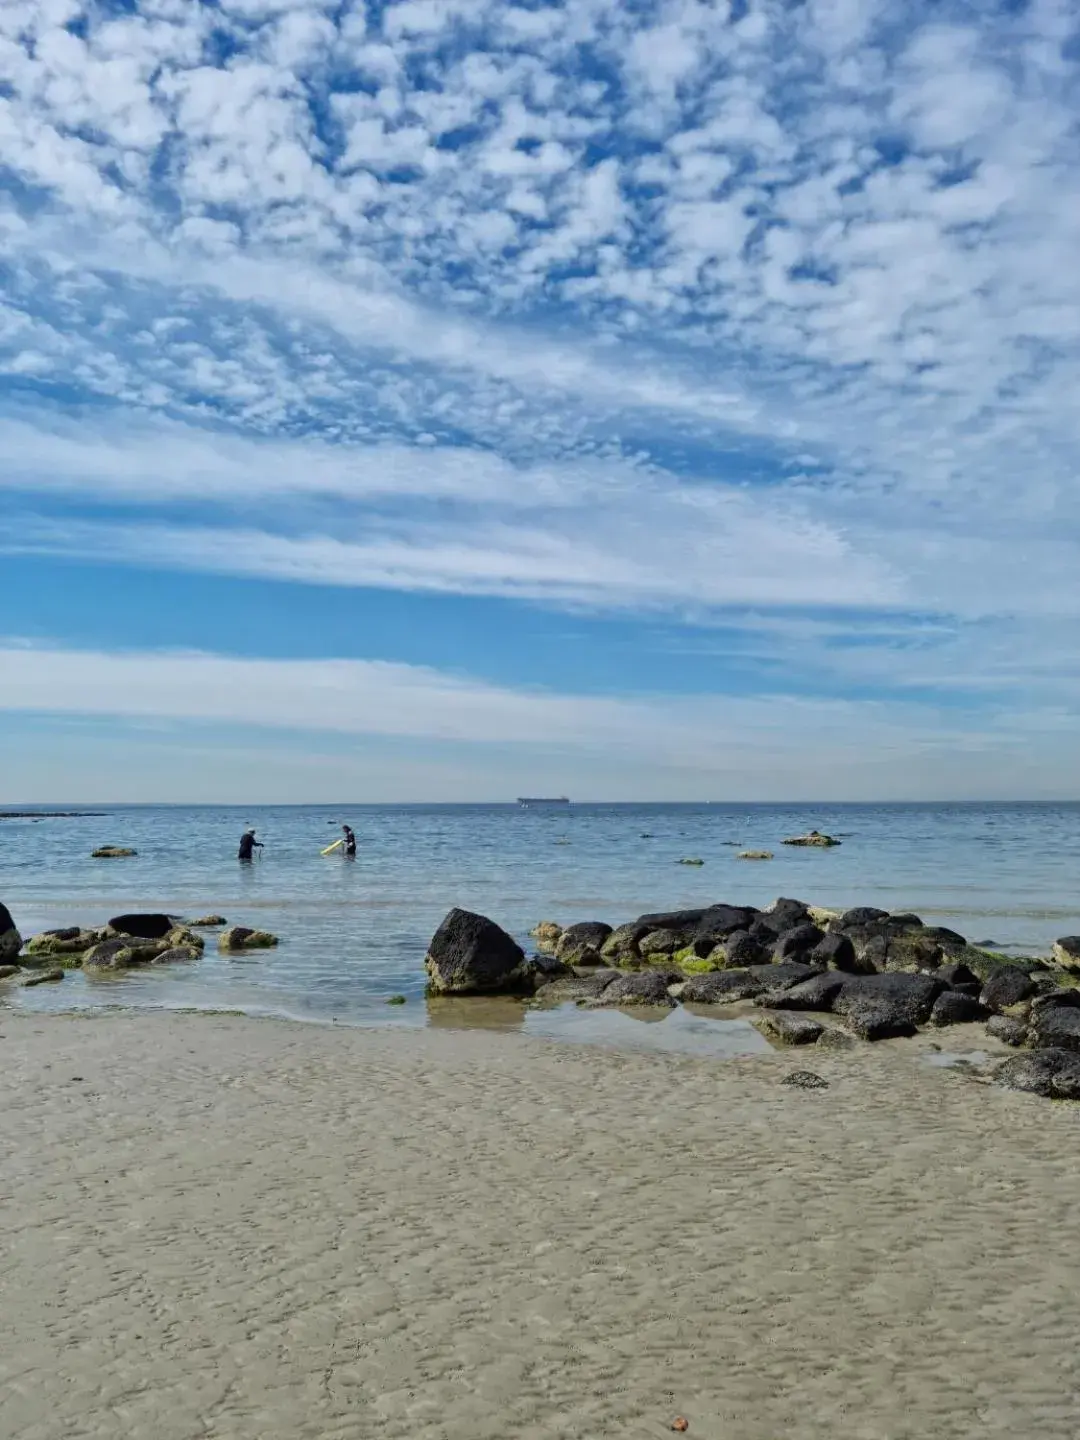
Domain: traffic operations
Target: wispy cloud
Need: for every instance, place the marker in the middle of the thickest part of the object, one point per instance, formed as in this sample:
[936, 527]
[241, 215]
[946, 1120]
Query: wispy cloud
[687, 307]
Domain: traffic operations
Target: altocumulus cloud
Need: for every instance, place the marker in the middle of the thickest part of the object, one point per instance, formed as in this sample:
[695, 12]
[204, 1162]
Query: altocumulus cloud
[745, 313]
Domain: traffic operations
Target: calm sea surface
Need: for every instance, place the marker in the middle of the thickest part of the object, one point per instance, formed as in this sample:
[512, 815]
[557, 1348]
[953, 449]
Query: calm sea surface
[354, 932]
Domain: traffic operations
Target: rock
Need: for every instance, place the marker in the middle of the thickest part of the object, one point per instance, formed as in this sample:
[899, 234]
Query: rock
[592, 982]
[239, 937]
[208, 922]
[784, 914]
[1054, 1025]
[397, 1000]
[1066, 952]
[690, 862]
[1041, 1072]
[112, 852]
[42, 977]
[175, 955]
[879, 1006]
[10, 939]
[833, 1039]
[861, 916]
[721, 987]
[71, 942]
[805, 1080]
[7, 971]
[1007, 985]
[660, 942]
[754, 855]
[581, 940]
[954, 1008]
[621, 946]
[836, 952]
[123, 952]
[790, 1029]
[646, 987]
[958, 974]
[798, 942]
[183, 938]
[146, 927]
[910, 951]
[717, 923]
[813, 838]
[741, 950]
[817, 993]
[684, 921]
[764, 931]
[905, 921]
[1007, 1029]
[949, 940]
[470, 954]
[783, 975]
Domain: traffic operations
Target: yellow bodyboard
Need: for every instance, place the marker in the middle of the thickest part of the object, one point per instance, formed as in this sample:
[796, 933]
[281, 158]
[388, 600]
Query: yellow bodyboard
[331, 848]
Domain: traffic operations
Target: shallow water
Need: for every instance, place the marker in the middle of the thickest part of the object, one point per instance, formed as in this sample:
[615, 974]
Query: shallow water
[354, 932]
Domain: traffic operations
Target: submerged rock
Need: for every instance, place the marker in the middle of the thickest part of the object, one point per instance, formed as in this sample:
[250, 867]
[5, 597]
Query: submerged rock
[813, 838]
[112, 852]
[208, 922]
[70, 943]
[31, 978]
[690, 862]
[644, 987]
[789, 1029]
[805, 1080]
[754, 855]
[176, 954]
[239, 937]
[470, 954]
[10, 939]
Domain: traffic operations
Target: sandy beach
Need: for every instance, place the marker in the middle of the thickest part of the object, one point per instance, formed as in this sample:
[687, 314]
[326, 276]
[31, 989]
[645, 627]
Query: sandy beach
[237, 1228]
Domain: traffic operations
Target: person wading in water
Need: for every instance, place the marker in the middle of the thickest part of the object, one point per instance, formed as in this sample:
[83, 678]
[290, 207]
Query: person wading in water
[248, 844]
[350, 841]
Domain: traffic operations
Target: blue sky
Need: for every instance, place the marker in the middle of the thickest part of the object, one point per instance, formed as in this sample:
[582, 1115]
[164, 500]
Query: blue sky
[446, 398]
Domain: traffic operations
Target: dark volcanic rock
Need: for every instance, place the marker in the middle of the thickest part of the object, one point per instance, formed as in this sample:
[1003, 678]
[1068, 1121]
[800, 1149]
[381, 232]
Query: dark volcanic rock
[783, 975]
[470, 954]
[146, 927]
[879, 1006]
[951, 942]
[790, 1029]
[576, 941]
[10, 939]
[836, 952]
[621, 946]
[717, 923]
[862, 915]
[1055, 1022]
[817, 993]
[721, 987]
[952, 1007]
[796, 943]
[645, 987]
[785, 914]
[175, 955]
[684, 921]
[1042, 1072]
[764, 931]
[958, 974]
[1007, 985]
[1007, 1029]
[661, 942]
[741, 950]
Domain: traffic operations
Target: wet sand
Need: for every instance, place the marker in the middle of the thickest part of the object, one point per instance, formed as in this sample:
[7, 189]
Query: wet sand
[253, 1230]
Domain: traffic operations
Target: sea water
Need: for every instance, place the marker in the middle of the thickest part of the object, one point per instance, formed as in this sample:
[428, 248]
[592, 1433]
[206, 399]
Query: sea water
[354, 931]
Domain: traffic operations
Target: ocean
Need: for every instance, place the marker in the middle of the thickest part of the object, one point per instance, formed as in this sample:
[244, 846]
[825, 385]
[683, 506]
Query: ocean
[354, 932]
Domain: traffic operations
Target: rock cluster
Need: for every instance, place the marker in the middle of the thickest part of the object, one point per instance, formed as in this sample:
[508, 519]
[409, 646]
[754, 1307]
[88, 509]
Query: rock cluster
[880, 974]
[124, 942]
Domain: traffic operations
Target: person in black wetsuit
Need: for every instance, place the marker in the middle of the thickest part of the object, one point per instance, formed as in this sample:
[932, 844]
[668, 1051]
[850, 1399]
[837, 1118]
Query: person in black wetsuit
[350, 841]
[248, 844]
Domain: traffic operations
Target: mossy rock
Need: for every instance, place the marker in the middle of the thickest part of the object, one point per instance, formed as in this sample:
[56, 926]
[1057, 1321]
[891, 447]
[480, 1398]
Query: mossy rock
[547, 934]
[68, 945]
[754, 855]
[240, 938]
[182, 937]
[112, 852]
[621, 947]
[693, 965]
[690, 862]
[396, 1000]
[208, 922]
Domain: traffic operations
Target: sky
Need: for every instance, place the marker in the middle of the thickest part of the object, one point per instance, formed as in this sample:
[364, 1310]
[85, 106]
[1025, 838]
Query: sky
[453, 399]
